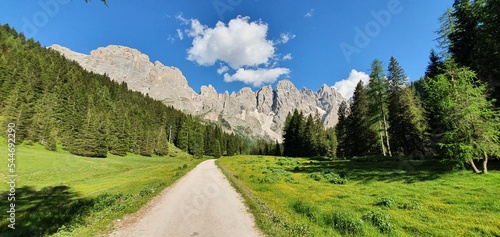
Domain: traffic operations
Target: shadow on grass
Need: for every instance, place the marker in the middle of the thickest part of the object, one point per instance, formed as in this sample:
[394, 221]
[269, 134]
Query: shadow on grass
[367, 169]
[43, 212]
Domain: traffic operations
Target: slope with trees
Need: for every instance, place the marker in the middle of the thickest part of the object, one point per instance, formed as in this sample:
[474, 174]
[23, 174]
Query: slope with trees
[57, 103]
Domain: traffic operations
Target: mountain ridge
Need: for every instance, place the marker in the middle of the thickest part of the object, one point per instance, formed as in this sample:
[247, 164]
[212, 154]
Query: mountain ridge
[260, 113]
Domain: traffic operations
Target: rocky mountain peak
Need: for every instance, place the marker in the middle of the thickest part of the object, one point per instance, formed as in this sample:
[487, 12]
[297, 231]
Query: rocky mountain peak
[261, 113]
[285, 85]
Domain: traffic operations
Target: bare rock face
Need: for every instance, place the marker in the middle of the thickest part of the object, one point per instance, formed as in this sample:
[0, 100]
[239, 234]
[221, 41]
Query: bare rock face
[261, 113]
[128, 65]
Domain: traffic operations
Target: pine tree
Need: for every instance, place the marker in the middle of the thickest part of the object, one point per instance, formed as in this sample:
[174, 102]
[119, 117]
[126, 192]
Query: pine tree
[183, 136]
[117, 135]
[197, 144]
[407, 123]
[435, 66]
[377, 91]
[341, 130]
[310, 141]
[161, 146]
[293, 135]
[323, 143]
[360, 134]
[277, 149]
[90, 139]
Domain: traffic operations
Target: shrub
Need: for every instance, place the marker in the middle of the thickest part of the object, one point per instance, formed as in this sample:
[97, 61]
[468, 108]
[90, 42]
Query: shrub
[380, 221]
[287, 162]
[276, 175]
[413, 205]
[328, 176]
[385, 202]
[305, 209]
[345, 223]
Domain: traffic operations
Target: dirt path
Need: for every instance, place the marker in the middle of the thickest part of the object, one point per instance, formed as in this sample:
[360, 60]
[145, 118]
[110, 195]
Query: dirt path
[202, 203]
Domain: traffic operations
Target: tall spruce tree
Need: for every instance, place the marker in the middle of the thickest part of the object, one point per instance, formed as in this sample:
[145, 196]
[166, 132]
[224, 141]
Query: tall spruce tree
[377, 91]
[293, 135]
[360, 134]
[407, 123]
[470, 31]
[342, 129]
[90, 139]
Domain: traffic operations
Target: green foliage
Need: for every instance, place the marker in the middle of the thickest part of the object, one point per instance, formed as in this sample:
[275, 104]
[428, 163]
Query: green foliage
[286, 161]
[425, 200]
[345, 223]
[52, 99]
[328, 176]
[469, 30]
[407, 124]
[303, 208]
[361, 139]
[377, 91]
[273, 175]
[386, 202]
[307, 137]
[413, 205]
[382, 222]
[341, 130]
[469, 122]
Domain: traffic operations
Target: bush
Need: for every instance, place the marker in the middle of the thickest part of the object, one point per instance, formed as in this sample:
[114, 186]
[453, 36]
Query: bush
[380, 221]
[305, 209]
[276, 175]
[287, 162]
[385, 202]
[413, 205]
[345, 223]
[328, 176]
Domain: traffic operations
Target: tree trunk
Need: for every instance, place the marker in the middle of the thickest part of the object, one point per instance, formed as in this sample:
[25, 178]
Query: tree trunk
[474, 166]
[485, 163]
[387, 136]
[381, 137]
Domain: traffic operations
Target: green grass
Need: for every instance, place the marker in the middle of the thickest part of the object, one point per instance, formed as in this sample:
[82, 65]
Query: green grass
[365, 197]
[65, 195]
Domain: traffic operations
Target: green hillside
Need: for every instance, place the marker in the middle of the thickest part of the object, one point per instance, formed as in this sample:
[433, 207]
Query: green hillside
[60, 193]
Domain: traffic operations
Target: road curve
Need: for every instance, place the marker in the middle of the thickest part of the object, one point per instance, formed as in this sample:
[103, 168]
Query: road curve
[202, 203]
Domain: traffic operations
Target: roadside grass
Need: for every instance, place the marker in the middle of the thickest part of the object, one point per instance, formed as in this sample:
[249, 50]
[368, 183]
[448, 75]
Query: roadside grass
[369, 196]
[59, 194]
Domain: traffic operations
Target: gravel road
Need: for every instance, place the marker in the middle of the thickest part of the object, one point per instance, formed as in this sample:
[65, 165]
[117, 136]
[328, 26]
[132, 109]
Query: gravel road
[202, 203]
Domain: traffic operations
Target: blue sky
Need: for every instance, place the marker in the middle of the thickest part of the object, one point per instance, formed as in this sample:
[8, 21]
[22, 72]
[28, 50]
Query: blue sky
[236, 43]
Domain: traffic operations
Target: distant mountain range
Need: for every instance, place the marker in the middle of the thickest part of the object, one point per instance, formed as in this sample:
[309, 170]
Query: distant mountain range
[260, 114]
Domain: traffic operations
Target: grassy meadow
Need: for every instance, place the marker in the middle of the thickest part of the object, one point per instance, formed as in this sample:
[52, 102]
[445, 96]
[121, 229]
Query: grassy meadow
[365, 197]
[58, 194]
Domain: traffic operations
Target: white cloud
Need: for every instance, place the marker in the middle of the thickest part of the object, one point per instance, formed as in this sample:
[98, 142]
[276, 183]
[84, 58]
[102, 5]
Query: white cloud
[346, 87]
[287, 57]
[285, 37]
[310, 13]
[180, 17]
[256, 77]
[240, 46]
[240, 43]
[171, 39]
[222, 69]
[197, 29]
[180, 34]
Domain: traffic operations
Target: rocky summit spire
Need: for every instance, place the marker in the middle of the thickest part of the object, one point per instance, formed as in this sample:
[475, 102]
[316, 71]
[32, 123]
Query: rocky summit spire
[261, 113]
